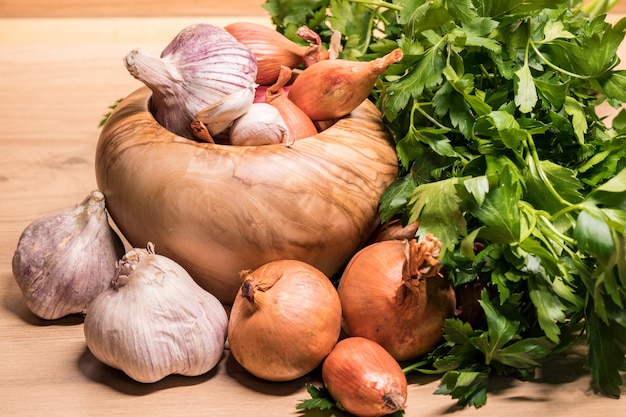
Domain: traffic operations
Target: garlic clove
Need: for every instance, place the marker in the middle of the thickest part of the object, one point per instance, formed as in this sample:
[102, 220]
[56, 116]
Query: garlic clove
[261, 125]
[63, 260]
[220, 115]
[154, 320]
[364, 378]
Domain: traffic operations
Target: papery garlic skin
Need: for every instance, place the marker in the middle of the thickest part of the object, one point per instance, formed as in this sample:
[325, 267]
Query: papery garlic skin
[154, 320]
[261, 125]
[201, 65]
[63, 260]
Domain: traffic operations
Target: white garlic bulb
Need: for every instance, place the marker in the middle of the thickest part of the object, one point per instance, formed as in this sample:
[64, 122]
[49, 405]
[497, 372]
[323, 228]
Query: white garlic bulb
[63, 260]
[200, 66]
[261, 125]
[155, 320]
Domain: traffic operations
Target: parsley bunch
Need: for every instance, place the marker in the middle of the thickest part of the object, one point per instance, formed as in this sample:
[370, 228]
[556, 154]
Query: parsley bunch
[504, 158]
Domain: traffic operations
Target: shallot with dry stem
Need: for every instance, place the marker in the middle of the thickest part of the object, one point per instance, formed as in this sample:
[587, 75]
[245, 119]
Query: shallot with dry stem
[273, 49]
[332, 88]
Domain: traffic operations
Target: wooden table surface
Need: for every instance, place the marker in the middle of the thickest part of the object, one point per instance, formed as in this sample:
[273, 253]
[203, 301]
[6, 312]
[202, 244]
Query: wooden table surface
[57, 78]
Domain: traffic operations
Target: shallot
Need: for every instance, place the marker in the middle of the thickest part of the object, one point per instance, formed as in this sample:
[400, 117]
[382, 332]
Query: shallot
[332, 88]
[364, 378]
[273, 49]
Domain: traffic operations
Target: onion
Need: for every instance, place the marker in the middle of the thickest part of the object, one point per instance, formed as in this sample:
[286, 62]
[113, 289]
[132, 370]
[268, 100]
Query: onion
[391, 292]
[364, 378]
[285, 321]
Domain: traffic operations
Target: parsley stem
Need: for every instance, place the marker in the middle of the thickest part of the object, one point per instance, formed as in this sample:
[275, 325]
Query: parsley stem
[564, 211]
[379, 3]
[417, 106]
[534, 164]
[556, 235]
[555, 67]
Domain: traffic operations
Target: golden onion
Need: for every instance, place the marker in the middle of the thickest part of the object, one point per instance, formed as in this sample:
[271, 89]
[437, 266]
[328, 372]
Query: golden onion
[220, 209]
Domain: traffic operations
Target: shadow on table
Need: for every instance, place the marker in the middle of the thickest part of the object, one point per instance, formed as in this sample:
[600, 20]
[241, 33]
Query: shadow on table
[246, 379]
[117, 380]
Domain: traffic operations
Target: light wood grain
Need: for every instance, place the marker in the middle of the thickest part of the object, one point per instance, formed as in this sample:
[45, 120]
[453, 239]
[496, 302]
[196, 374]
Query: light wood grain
[135, 8]
[144, 8]
[56, 82]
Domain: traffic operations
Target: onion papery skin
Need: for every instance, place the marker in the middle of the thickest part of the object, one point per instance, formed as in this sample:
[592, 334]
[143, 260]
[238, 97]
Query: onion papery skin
[285, 320]
[377, 303]
[364, 378]
[219, 209]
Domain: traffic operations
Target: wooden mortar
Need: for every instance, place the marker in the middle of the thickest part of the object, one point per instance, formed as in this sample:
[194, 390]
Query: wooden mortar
[221, 209]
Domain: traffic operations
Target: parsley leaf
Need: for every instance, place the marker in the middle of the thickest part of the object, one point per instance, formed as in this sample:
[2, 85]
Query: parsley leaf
[504, 158]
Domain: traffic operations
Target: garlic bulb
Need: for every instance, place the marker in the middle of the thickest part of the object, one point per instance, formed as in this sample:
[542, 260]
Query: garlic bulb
[199, 67]
[63, 260]
[154, 320]
[261, 125]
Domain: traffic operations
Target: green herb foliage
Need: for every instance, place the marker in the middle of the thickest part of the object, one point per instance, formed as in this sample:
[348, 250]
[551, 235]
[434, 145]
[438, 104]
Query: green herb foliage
[504, 158]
